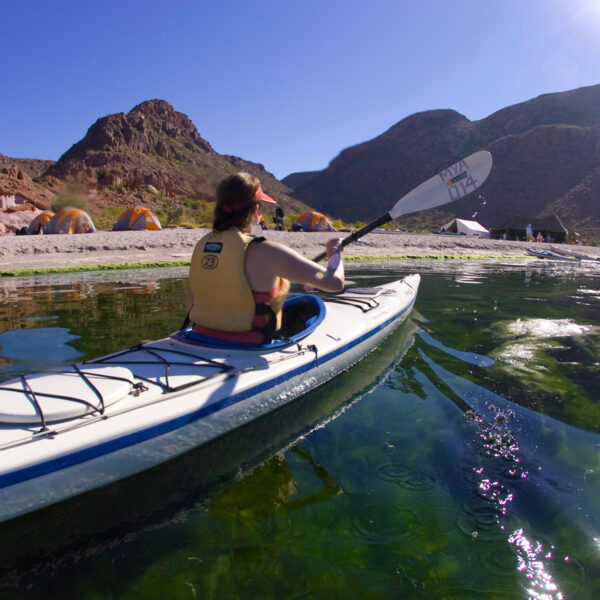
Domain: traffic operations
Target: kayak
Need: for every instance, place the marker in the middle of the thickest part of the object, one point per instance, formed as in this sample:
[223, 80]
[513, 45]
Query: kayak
[550, 255]
[66, 432]
[573, 254]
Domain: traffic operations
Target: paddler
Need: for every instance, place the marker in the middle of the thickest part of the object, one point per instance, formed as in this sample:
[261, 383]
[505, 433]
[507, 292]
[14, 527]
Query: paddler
[238, 282]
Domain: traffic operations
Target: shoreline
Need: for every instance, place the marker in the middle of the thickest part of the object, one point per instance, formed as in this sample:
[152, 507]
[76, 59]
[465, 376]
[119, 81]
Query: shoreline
[170, 247]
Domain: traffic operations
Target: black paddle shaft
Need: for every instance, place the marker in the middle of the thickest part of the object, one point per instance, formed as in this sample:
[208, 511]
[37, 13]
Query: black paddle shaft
[358, 234]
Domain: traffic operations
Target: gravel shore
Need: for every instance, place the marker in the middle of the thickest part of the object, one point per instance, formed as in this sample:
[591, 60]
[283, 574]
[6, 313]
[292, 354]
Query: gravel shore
[121, 248]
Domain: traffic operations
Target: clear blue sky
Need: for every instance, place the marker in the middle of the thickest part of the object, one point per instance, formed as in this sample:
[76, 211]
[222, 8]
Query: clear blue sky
[287, 83]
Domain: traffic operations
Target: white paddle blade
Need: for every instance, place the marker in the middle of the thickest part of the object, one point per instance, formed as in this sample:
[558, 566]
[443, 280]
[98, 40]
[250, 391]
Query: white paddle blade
[451, 184]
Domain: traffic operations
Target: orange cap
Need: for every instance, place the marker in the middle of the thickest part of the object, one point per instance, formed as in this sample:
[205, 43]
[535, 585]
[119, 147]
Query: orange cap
[259, 196]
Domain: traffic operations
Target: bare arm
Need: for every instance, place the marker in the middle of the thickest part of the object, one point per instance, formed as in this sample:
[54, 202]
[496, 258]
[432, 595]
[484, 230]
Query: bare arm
[268, 260]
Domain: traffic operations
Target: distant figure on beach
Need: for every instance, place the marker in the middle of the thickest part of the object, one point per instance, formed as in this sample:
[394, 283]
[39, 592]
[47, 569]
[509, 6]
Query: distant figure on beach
[528, 233]
[238, 283]
[279, 219]
[540, 237]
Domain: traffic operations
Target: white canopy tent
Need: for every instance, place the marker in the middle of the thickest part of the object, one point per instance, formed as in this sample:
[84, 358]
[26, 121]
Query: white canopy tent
[470, 228]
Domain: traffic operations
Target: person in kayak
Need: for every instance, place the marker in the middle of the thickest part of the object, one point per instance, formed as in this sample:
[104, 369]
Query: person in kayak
[237, 282]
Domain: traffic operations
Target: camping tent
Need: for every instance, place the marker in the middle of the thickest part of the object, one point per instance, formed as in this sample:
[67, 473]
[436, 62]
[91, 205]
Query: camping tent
[137, 218]
[470, 228]
[516, 228]
[313, 221]
[39, 224]
[71, 220]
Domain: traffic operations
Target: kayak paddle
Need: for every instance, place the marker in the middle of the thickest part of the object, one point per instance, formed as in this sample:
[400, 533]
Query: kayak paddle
[449, 185]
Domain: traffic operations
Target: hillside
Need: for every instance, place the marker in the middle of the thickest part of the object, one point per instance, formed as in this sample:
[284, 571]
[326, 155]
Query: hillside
[32, 167]
[546, 160]
[153, 147]
[152, 155]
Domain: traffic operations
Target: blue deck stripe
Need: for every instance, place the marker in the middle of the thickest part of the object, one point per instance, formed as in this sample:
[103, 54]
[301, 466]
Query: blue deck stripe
[143, 435]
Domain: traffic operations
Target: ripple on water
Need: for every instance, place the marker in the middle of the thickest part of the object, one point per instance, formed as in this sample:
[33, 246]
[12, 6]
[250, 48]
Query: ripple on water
[468, 474]
[498, 559]
[383, 523]
[571, 574]
[405, 477]
[486, 522]
[406, 580]
[416, 575]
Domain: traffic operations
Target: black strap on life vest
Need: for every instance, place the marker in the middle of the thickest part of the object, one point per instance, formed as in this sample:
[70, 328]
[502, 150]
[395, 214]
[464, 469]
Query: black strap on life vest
[266, 310]
[268, 331]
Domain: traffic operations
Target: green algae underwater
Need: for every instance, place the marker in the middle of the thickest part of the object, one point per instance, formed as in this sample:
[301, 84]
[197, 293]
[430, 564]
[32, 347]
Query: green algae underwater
[460, 459]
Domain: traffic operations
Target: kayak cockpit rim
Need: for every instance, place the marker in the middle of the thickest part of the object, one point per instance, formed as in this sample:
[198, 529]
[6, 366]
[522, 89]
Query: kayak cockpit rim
[302, 314]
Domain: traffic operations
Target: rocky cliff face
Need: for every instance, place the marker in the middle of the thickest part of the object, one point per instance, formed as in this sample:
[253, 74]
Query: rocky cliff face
[152, 147]
[32, 167]
[546, 156]
[20, 192]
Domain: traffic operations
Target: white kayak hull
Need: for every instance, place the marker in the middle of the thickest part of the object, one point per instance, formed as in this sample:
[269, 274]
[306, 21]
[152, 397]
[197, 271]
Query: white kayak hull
[187, 404]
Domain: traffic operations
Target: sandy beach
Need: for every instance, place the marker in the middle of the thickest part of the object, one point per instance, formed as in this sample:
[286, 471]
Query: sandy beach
[121, 248]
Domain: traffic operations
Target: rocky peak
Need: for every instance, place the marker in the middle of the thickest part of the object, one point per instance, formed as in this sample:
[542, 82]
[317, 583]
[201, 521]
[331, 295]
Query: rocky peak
[158, 118]
[152, 127]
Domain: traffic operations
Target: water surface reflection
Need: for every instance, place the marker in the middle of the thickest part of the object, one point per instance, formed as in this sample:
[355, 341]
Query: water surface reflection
[459, 460]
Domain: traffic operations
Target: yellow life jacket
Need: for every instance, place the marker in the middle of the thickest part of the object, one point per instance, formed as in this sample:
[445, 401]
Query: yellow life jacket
[223, 299]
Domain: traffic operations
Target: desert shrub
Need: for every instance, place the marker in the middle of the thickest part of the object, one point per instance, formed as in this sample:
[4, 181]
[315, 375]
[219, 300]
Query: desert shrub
[74, 198]
[289, 220]
[171, 211]
[107, 217]
[390, 225]
[197, 212]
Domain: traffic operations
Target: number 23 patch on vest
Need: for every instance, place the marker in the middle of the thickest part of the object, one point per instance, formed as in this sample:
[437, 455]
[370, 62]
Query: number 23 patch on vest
[210, 261]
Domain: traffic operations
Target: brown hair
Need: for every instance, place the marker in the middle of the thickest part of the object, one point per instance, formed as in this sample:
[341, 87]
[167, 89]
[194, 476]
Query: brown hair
[234, 206]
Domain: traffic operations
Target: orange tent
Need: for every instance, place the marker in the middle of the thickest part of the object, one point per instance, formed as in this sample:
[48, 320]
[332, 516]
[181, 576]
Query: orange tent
[39, 224]
[137, 218]
[71, 220]
[314, 221]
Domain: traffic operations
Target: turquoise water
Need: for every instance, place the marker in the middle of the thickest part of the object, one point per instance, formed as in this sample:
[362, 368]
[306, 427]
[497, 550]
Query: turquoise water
[461, 459]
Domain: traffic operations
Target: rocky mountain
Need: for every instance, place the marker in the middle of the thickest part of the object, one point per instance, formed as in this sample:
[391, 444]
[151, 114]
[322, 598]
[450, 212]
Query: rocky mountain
[295, 180]
[546, 161]
[154, 148]
[151, 155]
